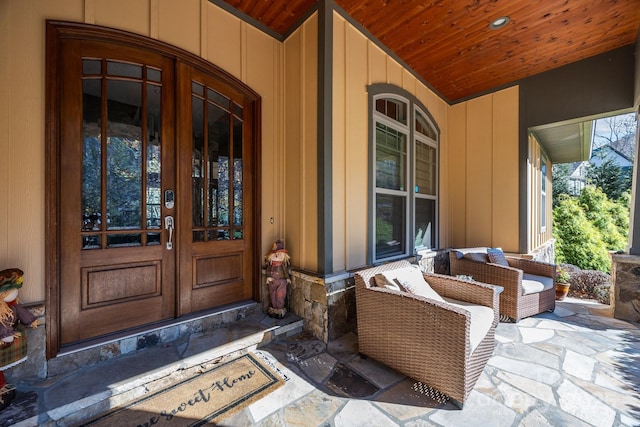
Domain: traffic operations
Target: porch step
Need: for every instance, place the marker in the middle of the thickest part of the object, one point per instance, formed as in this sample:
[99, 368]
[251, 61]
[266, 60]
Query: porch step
[88, 392]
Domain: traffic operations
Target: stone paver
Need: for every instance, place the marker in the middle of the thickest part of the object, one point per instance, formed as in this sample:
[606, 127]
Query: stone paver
[573, 367]
[561, 368]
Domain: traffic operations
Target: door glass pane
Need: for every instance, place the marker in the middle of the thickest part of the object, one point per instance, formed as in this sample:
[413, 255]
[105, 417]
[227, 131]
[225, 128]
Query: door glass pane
[218, 98]
[425, 169]
[154, 185]
[391, 158]
[425, 223]
[91, 157]
[237, 172]
[390, 225]
[91, 66]
[219, 147]
[197, 162]
[154, 74]
[124, 69]
[124, 155]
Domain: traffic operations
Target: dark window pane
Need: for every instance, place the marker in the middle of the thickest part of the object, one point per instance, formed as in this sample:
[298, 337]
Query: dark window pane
[391, 158]
[91, 155]
[218, 158]
[424, 127]
[153, 239]
[124, 69]
[218, 98]
[91, 242]
[198, 236]
[426, 168]
[393, 108]
[154, 74]
[197, 161]
[121, 240]
[237, 172]
[197, 88]
[220, 234]
[91, 66]
[237, 110]
[425, 227]
[124, 155]
[154, 185]
[237, 234]
[390, 225]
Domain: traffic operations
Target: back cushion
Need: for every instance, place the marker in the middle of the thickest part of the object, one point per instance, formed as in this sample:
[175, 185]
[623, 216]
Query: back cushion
[410, 280]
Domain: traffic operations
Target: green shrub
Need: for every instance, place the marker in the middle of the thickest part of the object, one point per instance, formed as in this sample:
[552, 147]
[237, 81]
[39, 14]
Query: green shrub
[610, 218]
[578, 241]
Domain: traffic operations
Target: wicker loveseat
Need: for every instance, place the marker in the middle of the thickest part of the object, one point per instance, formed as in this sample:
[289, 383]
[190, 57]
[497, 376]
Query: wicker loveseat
[528, 285]
[426, 339]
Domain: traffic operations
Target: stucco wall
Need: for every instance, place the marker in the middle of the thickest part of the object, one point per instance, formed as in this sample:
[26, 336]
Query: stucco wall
[194, 25]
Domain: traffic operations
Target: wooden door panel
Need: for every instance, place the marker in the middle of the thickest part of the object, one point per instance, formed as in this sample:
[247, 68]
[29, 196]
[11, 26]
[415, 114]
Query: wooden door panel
[109, 284]
[217, 263]
[212, 270]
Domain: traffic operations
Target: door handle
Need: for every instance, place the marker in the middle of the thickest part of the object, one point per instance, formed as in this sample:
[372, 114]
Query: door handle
[169, 225]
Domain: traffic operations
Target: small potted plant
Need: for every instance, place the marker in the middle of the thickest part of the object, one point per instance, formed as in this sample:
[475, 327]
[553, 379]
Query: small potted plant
[562, 283]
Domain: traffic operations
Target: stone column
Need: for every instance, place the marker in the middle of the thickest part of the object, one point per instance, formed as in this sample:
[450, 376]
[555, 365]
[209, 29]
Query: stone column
[634, 223]
[625, 287]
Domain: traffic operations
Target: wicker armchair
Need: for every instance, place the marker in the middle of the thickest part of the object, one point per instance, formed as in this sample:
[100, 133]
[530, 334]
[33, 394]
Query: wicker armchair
[425, 339]
[515, 302]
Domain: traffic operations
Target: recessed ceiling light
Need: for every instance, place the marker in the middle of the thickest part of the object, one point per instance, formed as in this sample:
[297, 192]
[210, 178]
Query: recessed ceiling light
[499, 22]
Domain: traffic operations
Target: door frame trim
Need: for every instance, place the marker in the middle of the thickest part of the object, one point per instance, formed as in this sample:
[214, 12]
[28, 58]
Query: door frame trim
[57, 31]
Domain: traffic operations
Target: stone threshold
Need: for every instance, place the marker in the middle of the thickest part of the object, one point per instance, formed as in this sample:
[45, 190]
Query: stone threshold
[91, 390]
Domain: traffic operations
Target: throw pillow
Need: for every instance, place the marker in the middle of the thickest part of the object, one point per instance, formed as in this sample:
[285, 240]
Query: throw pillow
[383, 282]
[412, 281]
[496, 256]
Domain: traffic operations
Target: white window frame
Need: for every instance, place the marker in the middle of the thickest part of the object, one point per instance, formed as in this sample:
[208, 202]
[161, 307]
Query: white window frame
[409, 193]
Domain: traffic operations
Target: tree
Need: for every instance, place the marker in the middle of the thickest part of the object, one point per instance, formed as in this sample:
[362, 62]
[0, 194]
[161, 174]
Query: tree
[560, 178]
[611, 178]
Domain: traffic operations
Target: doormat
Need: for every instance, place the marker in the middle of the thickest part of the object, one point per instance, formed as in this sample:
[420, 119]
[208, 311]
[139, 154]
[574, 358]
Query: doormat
[200, 400]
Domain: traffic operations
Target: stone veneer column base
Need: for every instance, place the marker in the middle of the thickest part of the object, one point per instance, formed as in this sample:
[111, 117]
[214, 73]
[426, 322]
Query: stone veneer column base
[625, 287]
[328, 305]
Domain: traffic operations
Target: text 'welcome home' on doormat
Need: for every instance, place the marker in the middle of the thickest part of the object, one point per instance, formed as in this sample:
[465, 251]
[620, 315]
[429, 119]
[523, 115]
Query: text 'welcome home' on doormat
[199, 400]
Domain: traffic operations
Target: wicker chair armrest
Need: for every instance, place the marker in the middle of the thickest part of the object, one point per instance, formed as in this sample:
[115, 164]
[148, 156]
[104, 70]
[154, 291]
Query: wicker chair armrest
[463, 290]
[486, 272]
[406, 320]
[533, 267]
[508, 277]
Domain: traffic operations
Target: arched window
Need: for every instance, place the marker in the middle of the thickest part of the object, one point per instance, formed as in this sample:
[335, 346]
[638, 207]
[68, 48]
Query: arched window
[404, 170]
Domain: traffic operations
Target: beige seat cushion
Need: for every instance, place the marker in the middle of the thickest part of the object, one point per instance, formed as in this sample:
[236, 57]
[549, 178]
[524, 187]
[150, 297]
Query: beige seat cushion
[481, 319]
[532, 283]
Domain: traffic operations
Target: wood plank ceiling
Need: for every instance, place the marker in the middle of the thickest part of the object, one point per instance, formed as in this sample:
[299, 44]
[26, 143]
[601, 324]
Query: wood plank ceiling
[449, 42]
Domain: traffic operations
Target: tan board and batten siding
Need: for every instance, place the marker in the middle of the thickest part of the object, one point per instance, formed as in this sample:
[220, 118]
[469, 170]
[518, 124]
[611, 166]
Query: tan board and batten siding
[197, 26]
[537, 234]
[358, 62]
[483, 171]
[478, 140]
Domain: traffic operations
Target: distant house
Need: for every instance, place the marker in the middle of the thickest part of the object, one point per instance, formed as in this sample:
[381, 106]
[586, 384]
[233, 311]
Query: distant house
[578, 177]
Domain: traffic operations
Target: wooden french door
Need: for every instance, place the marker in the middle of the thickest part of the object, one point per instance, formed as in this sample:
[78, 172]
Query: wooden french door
[216, 164]
[156, 191]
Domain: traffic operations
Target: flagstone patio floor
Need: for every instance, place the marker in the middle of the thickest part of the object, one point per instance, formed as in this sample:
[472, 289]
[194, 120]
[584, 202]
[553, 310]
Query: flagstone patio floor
[577, 366]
